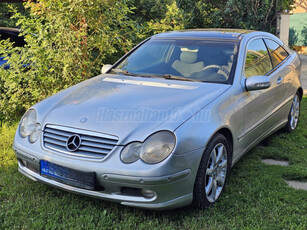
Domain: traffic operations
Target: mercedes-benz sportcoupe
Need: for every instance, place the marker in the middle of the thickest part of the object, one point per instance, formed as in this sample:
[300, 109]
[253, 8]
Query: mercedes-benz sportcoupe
[162, 127]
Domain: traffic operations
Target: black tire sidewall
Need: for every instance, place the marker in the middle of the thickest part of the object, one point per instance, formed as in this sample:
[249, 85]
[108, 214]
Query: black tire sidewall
[199, 194]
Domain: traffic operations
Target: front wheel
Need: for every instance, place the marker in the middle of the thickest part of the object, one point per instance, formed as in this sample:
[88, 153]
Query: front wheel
[293, 114]
[212, 172]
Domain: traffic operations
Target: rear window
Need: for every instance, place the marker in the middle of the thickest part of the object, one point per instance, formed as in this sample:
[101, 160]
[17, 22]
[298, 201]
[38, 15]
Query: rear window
[277, 52]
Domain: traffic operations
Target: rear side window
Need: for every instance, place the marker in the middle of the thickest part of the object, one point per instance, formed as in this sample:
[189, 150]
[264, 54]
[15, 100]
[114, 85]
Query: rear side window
[257, 61]
[277, 52]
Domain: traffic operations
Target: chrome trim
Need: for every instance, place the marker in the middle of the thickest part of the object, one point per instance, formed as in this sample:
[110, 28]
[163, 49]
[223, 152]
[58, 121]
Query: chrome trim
[93, 145]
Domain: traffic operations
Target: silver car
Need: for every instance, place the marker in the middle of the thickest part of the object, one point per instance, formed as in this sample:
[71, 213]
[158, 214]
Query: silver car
[162, 127]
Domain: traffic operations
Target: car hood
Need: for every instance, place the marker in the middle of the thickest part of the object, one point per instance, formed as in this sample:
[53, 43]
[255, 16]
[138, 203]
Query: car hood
[124, 106]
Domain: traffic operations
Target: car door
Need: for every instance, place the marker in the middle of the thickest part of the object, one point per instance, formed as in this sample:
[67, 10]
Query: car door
[259, 104]
[281, 69]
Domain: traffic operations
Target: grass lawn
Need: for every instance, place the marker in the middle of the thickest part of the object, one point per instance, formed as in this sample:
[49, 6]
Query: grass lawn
[256, 195]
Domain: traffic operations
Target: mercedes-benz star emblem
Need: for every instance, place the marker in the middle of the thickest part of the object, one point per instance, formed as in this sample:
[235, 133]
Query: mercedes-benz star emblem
[83, 120]
[73, 142]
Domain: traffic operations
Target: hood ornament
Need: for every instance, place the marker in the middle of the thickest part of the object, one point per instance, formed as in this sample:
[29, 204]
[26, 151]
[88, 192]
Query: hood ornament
[83, 120]
[73, 143]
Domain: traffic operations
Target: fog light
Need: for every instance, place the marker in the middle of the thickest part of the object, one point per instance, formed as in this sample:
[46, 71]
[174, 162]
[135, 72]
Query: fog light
[24, 163]
[148, 193]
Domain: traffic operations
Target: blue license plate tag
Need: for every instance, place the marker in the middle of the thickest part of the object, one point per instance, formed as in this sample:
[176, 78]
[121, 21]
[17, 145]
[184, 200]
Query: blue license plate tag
[85, 180]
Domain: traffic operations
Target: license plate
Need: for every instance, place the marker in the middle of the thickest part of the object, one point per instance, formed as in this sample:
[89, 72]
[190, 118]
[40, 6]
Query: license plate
[85, 180]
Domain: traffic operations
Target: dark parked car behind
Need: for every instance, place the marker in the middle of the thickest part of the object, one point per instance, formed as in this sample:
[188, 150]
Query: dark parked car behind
[13, 35]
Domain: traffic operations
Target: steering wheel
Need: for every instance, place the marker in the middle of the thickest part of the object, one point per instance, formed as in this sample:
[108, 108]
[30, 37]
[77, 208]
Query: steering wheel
[225, 71]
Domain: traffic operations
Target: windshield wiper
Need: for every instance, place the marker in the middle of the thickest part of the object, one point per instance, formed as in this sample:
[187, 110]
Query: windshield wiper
[166, 76]
[173, 77]
[125, 72]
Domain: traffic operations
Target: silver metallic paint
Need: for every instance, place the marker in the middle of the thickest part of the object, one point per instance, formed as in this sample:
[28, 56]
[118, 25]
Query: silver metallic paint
[257, 83]
[249, 116]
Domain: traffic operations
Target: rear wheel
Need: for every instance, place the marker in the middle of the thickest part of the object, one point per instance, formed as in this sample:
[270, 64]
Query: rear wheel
[212, 172]
[293, 114]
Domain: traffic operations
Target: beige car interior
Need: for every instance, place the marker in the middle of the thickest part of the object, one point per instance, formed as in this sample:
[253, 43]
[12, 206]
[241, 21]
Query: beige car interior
[187, 64]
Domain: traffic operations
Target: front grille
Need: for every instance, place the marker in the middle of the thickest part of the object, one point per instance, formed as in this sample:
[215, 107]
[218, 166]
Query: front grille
[93, 145]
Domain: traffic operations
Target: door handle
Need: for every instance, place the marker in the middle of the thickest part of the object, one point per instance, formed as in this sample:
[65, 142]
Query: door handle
[279, 80]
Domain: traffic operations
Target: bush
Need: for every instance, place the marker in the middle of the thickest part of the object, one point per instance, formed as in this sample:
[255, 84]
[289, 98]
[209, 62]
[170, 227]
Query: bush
[67, 42]
[240, 14]
[7, 11]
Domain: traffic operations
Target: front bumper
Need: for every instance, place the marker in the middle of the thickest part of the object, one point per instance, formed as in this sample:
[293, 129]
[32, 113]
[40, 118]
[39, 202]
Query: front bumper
[171, 190]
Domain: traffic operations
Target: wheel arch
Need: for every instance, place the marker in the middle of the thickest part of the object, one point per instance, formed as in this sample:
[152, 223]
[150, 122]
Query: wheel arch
[301, 93]
[228, 134]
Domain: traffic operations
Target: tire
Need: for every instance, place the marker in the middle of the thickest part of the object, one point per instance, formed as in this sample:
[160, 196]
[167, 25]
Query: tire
[294, 113]
[212, 175]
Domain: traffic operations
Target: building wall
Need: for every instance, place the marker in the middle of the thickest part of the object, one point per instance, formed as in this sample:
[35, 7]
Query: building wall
[300, 6]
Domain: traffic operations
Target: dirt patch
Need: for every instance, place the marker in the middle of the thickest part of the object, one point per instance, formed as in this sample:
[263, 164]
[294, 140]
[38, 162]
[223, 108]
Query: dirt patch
[275, 162]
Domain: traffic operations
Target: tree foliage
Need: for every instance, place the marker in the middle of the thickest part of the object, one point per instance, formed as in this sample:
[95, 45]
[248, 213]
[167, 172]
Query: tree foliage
[146, 10]
[7, 11]
[69, 40]
[172, 20]
[244, 14]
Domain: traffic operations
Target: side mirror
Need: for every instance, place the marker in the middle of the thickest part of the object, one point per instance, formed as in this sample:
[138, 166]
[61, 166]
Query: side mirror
[106, 68]
[257, 83]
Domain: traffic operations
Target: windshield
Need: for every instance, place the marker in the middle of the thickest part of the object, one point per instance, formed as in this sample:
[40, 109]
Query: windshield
[195, 60]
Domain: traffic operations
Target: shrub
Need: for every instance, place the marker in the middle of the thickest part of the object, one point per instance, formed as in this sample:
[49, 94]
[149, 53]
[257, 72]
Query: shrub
[67, 42]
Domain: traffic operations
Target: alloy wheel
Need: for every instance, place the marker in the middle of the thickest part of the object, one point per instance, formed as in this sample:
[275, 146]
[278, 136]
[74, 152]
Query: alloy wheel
[294, 113]
[216, 172]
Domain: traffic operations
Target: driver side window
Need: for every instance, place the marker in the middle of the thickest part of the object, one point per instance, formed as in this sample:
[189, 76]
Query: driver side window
[257, 61]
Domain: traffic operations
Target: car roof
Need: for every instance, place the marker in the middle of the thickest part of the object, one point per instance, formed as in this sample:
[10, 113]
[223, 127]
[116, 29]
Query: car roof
[8, 30]
[224, 34]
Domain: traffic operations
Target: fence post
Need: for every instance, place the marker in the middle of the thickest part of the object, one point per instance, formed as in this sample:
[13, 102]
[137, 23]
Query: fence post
[282, 27]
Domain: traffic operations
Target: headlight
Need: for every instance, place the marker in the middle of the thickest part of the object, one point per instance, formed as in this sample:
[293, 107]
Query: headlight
[155, 149]
[28, 123]
[131, 152]
[36, 133]
[29, 126]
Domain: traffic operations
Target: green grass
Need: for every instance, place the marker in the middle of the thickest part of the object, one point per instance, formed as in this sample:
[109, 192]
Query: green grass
[256, 195]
